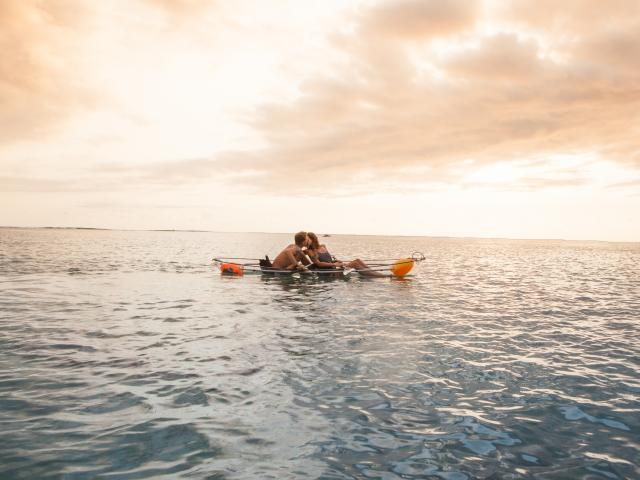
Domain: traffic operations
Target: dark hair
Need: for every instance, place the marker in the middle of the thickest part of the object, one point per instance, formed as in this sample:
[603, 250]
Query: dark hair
[315, 244]
[300, 238]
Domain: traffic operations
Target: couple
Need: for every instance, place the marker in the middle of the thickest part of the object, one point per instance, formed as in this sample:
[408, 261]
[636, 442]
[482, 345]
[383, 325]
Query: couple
[307, 253]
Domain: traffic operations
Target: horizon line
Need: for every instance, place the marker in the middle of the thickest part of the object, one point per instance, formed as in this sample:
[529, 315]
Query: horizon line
[330, 234]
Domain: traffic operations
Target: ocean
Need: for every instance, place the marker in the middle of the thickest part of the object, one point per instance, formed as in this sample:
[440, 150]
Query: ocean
[126, 355]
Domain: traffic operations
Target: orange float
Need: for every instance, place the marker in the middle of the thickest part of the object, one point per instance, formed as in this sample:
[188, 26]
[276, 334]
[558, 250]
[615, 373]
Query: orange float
[231, 269]
[402, 267]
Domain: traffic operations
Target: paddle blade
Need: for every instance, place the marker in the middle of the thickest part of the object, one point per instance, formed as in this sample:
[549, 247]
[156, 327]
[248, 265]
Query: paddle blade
[402, 267]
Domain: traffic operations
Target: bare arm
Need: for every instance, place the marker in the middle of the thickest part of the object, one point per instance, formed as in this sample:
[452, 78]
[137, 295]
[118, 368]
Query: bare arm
[327, 264]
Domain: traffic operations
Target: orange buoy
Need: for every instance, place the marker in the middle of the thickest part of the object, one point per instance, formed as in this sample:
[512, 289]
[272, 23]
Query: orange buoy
[402, 267]
[231, 269]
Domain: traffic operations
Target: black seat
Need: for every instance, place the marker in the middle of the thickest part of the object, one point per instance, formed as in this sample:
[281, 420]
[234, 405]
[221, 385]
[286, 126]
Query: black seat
[265, 262]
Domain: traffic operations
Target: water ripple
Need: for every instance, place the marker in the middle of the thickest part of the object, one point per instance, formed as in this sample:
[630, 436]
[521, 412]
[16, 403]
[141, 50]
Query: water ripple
[123, 355]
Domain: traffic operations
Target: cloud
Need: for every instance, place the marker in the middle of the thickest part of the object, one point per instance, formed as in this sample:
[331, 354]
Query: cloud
[119, 177]
[29, 184]
[399, 101]
[570, 19]
[39, 43]
[502, 57]
[407, 92]
[64, 58]
[183, 15]
[180, 7]
[418, 19]
[635, 184]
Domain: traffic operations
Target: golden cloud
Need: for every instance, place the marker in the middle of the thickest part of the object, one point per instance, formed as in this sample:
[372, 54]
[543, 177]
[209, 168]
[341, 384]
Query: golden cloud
[39, 64]
[498, 96]
[420, 90]
[418, 19]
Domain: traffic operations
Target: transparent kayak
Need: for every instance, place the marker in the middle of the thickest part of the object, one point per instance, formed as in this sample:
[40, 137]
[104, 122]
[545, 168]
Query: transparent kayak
[398, 267]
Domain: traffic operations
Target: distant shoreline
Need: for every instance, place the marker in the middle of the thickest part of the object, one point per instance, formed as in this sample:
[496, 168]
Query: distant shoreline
[10, 227]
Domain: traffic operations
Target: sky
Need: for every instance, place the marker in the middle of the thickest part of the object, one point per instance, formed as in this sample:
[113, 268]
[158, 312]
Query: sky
[516, 119]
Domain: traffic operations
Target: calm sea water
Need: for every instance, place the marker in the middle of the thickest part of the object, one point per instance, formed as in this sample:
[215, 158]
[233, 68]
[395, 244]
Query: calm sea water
[126, 355]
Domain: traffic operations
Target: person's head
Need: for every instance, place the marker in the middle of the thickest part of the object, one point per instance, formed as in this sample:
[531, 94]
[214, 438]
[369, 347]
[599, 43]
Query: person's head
[301, 239]
[314, 244]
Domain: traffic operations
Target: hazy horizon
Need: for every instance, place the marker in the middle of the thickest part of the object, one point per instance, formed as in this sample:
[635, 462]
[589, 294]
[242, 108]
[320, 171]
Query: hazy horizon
[464, 118]
[321, 234]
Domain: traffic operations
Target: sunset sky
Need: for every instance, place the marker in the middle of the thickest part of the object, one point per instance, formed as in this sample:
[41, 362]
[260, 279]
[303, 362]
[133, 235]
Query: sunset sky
[515, 119]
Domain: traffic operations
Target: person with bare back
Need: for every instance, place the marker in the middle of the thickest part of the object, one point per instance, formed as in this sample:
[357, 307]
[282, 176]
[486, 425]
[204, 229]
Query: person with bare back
[293, 256]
